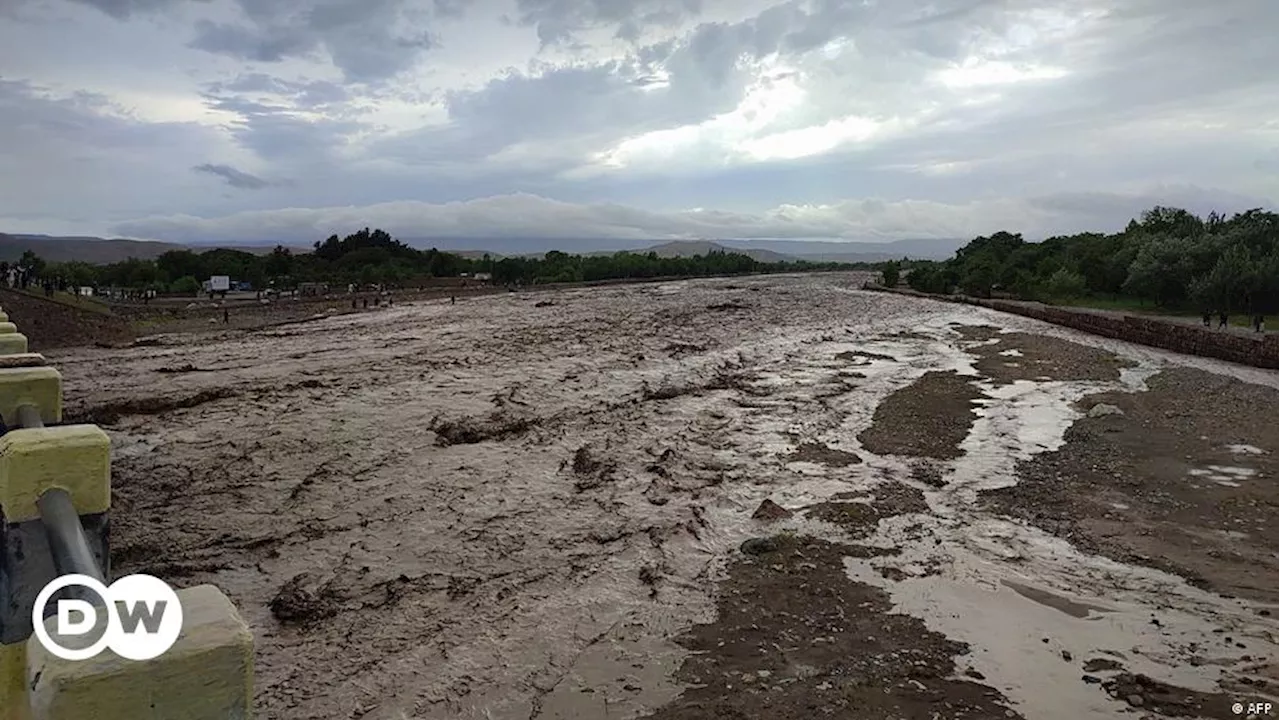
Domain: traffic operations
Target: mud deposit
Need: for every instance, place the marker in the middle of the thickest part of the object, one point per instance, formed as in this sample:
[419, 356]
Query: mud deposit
[927, 419]
[797, 639]
[1182, 479]
[1012, 356]
[495, 510]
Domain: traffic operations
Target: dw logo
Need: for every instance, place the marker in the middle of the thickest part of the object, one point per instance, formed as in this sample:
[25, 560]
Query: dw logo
[143, 618]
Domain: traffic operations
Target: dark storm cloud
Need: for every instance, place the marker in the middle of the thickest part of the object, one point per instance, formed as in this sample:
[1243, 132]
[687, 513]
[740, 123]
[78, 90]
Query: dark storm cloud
[706, 73]
[123, 9]
[450, 8]
[606, 101]
[559, 21]
[33, 115]
[368, 40]
[252, 43]
[276, 132]
[78, 155]
[1138, 103]
[233, 177]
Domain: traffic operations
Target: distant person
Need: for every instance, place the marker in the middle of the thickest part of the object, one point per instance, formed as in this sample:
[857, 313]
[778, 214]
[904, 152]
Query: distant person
[1207, 318]
[366, 303]
[354, 302]
[453, 300]
[1222, 320]
[226, 317]
[1257, 322]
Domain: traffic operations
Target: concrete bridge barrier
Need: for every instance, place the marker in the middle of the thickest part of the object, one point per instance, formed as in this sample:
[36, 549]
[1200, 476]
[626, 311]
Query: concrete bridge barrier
[55, 499]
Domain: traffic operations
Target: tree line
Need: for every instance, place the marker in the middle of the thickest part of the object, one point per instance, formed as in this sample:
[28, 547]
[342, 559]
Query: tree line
[1168, 257]
[374, 257]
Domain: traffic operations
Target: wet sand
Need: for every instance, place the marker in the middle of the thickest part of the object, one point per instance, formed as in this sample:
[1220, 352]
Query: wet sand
[502, 510]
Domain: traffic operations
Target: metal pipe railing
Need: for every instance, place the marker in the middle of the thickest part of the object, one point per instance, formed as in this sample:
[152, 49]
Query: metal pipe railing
[29, 417]
[68, 544]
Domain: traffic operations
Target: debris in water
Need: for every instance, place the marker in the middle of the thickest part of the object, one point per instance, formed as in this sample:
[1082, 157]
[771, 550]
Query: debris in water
[302, 599]
[760, 546]
[469, 430]
[1103, 410]
[591, 471]
[770, 511]
[818, 453]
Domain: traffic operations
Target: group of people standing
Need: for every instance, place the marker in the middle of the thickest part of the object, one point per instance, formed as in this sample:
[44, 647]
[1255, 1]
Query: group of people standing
[1206, 319]
[20, 276]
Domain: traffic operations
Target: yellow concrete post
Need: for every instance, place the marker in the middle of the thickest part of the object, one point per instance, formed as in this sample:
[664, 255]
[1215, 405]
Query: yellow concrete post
[13, 682]
[206, 675]
[12, 343]
[39, 386]
[76, 458]
[13, 657]
[22, 360]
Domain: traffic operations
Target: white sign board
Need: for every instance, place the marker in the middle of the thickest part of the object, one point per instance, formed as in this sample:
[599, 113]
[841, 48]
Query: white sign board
[219, 283]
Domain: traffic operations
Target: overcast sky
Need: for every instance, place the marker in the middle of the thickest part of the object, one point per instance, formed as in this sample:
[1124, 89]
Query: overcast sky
[289, 120]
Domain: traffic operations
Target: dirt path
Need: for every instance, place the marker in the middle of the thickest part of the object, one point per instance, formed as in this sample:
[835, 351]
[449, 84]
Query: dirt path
[535, 507]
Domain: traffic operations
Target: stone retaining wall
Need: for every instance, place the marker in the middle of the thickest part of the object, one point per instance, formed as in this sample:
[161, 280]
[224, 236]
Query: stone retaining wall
[1257, 351]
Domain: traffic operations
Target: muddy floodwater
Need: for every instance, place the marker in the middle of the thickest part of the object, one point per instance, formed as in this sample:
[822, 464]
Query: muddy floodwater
[552, 505]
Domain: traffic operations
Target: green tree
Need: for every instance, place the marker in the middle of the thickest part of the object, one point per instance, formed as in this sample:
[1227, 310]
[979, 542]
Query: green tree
[279, 263]
[1066, 284]
[1227, 286]
[1161, 271]
[978, 277]
[890, 273]
[185, 285]
[176, 264]
[32, 261]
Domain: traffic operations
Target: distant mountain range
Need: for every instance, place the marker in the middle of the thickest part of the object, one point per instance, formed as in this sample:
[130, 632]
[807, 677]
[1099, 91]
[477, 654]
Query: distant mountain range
[763, 250]
[836, 251]
[101, 251]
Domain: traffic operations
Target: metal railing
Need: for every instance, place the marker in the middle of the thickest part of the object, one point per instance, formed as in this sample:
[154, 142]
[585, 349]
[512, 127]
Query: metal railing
[54, 507]
[68, 543]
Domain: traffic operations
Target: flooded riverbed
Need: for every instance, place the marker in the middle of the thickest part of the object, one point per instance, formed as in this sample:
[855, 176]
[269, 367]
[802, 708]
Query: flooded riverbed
[530, 506]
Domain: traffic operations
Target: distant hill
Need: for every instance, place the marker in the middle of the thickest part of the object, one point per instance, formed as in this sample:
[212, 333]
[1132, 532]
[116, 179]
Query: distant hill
[853, 251]
[475, 254]
[689, 248]
[100, 251]
[814, 250]
[85, 249]
[526, 247]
